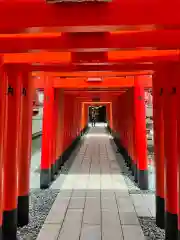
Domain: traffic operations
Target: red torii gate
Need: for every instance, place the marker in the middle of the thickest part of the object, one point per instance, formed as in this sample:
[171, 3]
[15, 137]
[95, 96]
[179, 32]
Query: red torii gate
[18, 16]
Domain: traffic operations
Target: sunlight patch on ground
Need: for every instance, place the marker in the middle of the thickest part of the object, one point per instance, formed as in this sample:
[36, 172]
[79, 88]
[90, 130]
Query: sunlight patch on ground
[94, 182]
[90, 135]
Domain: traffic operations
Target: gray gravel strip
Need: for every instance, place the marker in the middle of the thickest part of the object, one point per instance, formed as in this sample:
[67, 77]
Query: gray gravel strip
[40, 204]
[151, 231]
[129, 179]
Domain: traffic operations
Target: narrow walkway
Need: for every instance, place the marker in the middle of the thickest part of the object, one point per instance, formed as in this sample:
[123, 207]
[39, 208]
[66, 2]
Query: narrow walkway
[94, 202]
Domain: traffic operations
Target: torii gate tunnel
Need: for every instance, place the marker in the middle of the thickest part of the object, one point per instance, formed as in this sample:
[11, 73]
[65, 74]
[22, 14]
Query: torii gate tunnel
[78, 53]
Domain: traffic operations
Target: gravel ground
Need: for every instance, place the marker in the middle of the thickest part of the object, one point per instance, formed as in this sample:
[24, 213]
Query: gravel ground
[129, 179]
[40, 204]
[151, 231]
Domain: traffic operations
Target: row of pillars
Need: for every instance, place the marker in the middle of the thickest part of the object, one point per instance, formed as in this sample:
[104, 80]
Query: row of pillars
[61, 126]
[15, 148]
[166, 113]
[130, 131]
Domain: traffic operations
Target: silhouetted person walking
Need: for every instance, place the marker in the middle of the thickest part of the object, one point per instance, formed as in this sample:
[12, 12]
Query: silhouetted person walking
[93, 117]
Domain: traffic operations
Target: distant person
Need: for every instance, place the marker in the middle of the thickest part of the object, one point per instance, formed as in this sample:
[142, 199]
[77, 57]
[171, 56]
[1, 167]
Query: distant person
[93, 117]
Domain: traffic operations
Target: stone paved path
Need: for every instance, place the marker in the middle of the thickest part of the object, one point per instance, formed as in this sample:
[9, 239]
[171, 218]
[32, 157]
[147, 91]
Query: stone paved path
[94, 202]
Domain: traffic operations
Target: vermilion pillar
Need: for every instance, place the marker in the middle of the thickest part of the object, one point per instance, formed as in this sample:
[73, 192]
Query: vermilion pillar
[178, 142]
[140, 135]
[47, 135]
[54, 162]
[130, 120]
[109, 114]
[79, 106]
[25, 154]
[66, 127]
[82, 115]
[115, 131]
[56, 131]
[3, 129]
[65, 130]
[75, 121]
[134, 167]
[86, 115]
[170, 150]
[60, 128]
[133, 127]
[158, 119]
[14, 92]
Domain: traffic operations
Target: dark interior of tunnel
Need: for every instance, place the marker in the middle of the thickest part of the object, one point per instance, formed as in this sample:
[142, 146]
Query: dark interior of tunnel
[100, 113]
